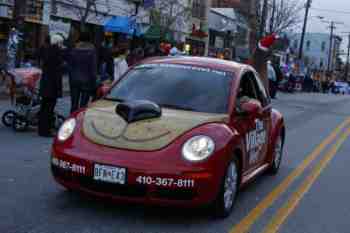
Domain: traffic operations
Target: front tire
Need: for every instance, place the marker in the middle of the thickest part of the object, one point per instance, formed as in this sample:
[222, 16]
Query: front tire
[224, 203]
[277, 155]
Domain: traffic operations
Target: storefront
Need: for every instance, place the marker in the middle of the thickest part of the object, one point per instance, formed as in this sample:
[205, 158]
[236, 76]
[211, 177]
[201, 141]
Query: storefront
[228, 34]
[222, 28]
[221, 44]
[197, 41]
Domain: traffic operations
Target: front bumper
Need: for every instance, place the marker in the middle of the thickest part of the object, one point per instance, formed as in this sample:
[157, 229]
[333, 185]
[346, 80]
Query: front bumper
[80, 178]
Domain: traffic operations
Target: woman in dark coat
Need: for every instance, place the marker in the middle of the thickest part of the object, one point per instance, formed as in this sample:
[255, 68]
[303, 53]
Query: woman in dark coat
[83, 72]
[50, 84]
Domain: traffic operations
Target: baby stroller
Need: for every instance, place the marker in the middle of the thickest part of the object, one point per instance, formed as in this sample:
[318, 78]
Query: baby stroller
[22, 87]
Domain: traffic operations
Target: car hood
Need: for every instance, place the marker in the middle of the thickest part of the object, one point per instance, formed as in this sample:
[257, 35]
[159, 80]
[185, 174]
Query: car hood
[103, 126]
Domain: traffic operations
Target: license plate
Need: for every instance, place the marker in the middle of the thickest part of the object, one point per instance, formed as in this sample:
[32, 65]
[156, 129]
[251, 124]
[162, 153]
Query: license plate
[116, 175]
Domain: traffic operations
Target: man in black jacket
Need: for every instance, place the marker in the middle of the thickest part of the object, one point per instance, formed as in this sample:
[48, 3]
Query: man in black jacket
[83, 72]
[50, 84]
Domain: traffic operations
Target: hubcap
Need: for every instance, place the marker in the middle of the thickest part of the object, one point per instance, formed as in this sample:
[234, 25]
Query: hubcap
[230, 185]
[278, 152]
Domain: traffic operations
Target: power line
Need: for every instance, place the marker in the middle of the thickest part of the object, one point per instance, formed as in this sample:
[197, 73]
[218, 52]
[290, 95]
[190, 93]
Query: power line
[331, 11]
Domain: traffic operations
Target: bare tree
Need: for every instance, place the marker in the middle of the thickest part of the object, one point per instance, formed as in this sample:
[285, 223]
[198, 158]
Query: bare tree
[171, 15]
[284, 15]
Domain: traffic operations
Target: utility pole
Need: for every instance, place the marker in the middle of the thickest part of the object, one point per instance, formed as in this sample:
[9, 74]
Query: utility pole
[301, 47]
[332, 27]
[330, 46]
[347, 58]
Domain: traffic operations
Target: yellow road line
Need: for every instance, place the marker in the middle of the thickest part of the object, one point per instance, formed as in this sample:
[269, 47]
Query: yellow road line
[283, 213]
[245, 224]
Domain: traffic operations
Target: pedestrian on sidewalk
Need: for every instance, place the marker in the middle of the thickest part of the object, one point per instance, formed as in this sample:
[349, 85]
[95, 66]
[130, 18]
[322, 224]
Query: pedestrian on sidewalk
[106, 66]
[272, 76]
[83, 72]
[50, 84]
[120, 64]
[135, 56]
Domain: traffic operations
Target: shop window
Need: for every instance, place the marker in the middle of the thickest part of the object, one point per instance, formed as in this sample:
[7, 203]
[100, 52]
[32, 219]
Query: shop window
[34, 10]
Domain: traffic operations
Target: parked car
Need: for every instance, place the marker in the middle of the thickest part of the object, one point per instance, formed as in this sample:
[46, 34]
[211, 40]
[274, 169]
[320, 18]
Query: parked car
[341, 88]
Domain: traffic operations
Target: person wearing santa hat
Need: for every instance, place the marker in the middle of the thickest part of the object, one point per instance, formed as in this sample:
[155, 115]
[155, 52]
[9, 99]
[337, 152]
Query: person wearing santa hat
[260, 58]
[267, 42]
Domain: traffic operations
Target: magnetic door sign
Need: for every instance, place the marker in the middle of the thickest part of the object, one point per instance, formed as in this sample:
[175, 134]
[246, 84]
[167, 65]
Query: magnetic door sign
[255, 141]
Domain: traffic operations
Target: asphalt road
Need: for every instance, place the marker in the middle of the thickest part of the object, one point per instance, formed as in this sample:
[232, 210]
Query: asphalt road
[309, 195]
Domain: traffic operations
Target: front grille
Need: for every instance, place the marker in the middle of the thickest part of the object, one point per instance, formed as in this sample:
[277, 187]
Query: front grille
[113, 189]
[106, 188]
[176, 195]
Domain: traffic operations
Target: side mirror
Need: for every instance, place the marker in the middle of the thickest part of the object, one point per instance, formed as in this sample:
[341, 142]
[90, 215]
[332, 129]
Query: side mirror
[251, 108]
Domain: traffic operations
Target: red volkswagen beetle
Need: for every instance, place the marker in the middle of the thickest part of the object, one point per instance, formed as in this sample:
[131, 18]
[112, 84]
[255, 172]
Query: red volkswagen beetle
[181, 131]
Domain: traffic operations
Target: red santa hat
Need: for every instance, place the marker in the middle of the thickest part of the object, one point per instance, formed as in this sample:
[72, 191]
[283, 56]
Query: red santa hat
[266, 43]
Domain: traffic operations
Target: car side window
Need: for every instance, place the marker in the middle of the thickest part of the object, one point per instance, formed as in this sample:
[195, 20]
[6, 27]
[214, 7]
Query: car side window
[247, 88]
[261, 91]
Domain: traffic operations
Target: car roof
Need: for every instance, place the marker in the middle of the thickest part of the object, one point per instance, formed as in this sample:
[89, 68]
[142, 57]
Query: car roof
[214, 63]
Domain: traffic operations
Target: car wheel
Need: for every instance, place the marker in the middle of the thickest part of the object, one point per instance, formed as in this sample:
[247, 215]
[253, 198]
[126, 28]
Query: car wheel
[278, 155]
[228, 192]
[7, 118]
[19, 124]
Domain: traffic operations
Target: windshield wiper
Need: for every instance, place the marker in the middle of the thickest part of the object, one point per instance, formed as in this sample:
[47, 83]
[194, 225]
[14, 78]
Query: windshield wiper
[177, 107]
[114, 99]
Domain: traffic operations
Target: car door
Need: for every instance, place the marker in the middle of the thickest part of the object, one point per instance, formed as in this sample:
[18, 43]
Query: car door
[253, 129]
[263, 123]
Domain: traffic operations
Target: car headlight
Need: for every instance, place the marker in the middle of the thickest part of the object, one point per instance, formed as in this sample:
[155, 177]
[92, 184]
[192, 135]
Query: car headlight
[66, 129]
[198, 148]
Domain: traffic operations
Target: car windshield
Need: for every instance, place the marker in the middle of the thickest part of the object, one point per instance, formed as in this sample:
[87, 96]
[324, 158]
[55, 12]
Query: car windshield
[176, 86]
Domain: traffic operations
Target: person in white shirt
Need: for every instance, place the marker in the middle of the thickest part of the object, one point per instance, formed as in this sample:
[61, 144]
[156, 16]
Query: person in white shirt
[272, 76]
[120, 64]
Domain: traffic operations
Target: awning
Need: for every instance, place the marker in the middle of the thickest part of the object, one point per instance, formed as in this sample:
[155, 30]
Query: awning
[153, 33]
[123, 24]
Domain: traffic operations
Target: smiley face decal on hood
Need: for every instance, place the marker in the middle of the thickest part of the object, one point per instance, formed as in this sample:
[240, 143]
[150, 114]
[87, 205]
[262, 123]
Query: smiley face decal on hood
[103, 126]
